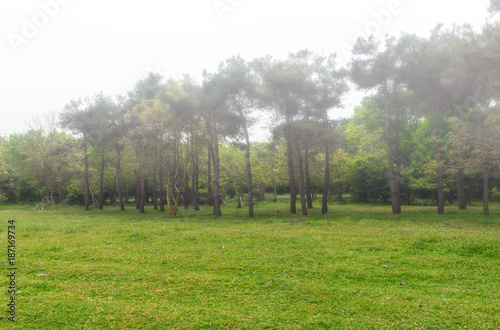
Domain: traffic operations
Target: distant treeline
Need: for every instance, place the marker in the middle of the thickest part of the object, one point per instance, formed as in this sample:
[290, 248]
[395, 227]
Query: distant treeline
[427, 130]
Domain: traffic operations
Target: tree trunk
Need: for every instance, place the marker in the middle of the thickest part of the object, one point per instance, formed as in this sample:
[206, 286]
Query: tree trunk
[248, 171]
[291, 171]
[308, 179]
[301, 178]
[162, 194]
[486, 191]
[195, 183]
[209, 167]
[155, 204]
[399, 162]
[119, 179]
[395, 200]
[87, 184]
[462, 200]
[186, 194]
[326, 182]
[138, 192]
[439, 167]
[275, 199]
[143, 191]
[101, 181]
[46, 181]
[215, 161]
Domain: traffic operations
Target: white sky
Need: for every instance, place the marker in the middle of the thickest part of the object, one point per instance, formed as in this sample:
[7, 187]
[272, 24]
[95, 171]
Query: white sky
[79, 47]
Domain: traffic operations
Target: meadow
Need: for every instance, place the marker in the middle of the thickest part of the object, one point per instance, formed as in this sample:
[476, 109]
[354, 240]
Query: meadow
[364, 268]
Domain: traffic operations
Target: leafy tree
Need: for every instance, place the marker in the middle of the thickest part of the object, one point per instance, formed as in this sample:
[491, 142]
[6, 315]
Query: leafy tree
[6, 182]
[285, 89]
[330, 87]
[439, 71]
[218, 121]
[236, 80]
[459, 153]
[379, 69]
[48, 153]
[84, 118]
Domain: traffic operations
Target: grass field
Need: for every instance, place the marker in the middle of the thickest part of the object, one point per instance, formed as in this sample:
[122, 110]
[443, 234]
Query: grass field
[367, 269]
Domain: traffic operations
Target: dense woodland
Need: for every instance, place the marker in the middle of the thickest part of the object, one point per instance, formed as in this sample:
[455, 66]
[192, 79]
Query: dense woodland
[427, 131]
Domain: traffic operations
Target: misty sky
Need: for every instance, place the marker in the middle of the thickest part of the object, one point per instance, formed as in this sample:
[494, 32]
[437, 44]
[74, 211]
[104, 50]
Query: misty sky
[53, 51]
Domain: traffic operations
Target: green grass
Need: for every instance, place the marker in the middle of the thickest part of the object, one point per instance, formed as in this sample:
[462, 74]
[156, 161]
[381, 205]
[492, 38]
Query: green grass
[368, 270]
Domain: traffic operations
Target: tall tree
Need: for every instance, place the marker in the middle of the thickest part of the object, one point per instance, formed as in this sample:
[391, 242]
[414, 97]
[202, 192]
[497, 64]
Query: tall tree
[438, 71]
[330, 87]
[102, 112]
[377, 69]
[144, 92]
[44, 145]
[181, 126]
[76, 116]
[285, 86]
[218, 121]
[236, 81]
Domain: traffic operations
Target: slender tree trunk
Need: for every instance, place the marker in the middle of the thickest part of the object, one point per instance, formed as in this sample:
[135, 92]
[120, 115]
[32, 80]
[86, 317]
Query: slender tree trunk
[155, 204]
[439, 167]
[486, 191]
[291, 170]
[143, 191]
[119, 178]
[248, 170]
[46, 181]
[195, 182]
[275, 198]
[326, 182]
[138, 191]
[399, 162]
[462, 200]
[87, 184]
[197, 186]
[302, 194]
[215, 161]
[209, 167]
[162, 194]
[308, 179]
[186, 192]
[395, 199]
[101, 181]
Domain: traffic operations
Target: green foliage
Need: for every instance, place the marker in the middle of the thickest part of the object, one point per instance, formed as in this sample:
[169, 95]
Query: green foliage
[495, 194]
[364, 132]
[232, 169]
[269, 160]
[368, 179]
[36, 158]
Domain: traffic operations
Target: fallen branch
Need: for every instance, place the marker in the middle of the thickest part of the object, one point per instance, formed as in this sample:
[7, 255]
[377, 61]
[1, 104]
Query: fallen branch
[449, 224]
